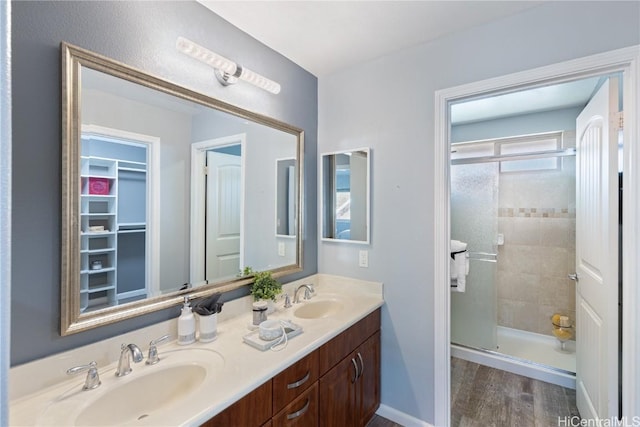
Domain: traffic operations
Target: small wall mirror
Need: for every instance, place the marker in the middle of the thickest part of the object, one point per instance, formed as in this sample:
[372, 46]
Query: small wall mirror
[166, 192]
[345, 196]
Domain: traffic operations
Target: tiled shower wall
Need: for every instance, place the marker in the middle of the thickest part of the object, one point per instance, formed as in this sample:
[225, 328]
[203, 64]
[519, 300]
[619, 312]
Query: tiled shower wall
[536, 215]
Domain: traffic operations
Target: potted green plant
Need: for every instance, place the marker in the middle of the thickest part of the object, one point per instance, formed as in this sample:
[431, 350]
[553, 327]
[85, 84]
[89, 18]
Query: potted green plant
[264, 286]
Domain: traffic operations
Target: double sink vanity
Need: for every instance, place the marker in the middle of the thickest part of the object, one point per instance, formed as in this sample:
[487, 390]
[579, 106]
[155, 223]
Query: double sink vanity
[328, 375]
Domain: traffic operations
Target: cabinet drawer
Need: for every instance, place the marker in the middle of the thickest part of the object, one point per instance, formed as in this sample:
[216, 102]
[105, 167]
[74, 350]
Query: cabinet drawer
[294, 380]
[303, 411]
[338, 348]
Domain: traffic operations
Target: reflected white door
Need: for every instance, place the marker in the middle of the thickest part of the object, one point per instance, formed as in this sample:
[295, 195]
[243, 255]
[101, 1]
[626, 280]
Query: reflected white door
[223, 215]
[597, 256]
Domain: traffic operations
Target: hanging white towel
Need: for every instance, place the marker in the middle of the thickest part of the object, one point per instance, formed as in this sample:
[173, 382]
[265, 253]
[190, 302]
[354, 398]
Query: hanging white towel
[459, 266]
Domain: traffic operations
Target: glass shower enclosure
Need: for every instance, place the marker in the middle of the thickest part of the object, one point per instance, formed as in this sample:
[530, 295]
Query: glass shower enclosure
[474, 220]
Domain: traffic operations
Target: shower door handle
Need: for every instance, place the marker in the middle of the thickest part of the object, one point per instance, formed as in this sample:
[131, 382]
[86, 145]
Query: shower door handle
[574, 277]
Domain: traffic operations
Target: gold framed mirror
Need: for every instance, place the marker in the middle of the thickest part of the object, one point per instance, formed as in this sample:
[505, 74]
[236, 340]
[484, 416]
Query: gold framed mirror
[165, 192]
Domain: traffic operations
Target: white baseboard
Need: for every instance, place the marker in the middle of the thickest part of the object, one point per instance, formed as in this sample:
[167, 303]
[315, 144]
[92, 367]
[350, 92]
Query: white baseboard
[401, 418]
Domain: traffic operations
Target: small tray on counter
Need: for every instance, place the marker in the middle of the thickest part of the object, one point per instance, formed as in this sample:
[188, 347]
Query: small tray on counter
[254, 340]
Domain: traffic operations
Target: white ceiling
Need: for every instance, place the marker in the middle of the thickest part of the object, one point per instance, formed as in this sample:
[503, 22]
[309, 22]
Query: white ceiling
[564, 95]
[326, 36]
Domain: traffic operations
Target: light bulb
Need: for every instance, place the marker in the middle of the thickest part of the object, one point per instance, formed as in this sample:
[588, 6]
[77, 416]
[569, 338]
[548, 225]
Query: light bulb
[225, 66]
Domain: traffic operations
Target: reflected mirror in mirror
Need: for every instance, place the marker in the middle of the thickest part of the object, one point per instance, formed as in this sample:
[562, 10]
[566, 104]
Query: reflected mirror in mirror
[286, 206]
[166, 191]
[345, 196]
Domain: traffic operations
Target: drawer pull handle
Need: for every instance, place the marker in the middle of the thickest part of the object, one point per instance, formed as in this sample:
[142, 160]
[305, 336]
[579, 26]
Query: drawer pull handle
[357, 371]
[300, 412]
[299, 382]
[361, 365]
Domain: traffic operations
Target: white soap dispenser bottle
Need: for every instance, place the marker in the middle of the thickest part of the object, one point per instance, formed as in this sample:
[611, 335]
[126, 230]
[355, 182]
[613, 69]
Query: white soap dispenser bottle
[186, 324]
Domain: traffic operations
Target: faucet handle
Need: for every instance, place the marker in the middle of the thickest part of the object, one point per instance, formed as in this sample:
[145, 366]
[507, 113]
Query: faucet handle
[153, 357]
[308, 291]
[287, 301]
[93, 379]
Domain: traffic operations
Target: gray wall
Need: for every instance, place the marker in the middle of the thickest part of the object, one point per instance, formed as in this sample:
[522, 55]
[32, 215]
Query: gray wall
[263, 146]
[174, 131]
[141, 34]
[362, 106]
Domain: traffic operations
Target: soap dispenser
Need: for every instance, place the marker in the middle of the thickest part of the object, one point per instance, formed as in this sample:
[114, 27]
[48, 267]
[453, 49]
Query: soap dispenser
[186, 324]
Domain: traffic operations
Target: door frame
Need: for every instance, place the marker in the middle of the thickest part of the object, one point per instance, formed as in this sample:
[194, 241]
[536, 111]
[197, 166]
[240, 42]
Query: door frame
[626, 60]
[5, 209]
[198, 200]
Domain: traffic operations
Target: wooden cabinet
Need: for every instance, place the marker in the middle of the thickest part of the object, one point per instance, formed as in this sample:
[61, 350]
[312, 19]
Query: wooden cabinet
[337, 385]
[369, 382]
[350, 391]
[252, 410]
[339, 347]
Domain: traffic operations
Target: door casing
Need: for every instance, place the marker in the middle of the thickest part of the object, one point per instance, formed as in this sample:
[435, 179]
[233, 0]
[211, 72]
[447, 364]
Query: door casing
[627, 61]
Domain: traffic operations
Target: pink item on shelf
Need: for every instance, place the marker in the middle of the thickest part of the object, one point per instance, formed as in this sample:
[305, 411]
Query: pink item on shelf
[99, 186]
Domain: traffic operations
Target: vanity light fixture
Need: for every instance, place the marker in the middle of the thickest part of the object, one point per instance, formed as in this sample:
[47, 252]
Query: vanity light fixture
[227, 72]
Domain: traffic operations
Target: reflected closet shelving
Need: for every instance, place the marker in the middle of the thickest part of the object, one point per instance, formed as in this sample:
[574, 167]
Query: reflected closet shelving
[112, 224]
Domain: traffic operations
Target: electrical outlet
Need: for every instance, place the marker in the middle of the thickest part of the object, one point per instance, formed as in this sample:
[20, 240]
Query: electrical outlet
[363, 259]
[281, 250]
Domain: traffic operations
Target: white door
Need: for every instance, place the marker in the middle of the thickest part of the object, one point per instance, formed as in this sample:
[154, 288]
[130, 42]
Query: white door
[223, 215]
[597, 255]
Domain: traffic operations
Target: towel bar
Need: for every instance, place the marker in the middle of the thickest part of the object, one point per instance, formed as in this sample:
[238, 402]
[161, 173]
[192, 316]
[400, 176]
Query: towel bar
[482, 256]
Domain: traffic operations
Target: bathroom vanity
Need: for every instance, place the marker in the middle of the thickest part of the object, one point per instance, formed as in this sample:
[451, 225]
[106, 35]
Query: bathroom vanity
[328, 375]
[336, 385]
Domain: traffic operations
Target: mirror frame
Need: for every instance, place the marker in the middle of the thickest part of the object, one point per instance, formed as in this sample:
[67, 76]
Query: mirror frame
[323, 191]
[71, 319]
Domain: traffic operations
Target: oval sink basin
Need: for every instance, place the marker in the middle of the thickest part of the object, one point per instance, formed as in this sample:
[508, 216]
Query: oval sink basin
[318, 309]
[143, 396]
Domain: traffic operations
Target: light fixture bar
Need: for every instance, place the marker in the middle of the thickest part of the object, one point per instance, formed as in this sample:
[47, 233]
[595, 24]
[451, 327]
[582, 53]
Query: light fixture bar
[227, 71]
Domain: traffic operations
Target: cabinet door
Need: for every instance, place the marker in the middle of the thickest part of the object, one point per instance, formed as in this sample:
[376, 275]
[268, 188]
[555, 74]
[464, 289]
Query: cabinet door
[253, 410]
[302, 412]
[338, 395]
[368, 355]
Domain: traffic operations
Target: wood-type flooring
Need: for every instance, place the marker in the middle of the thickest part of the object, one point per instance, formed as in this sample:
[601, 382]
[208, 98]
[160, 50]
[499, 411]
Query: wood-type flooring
[486, 397]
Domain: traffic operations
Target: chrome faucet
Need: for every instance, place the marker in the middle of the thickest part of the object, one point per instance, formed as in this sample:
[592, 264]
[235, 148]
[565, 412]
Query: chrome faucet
[308, 290]
[93, 379]
[126, 351]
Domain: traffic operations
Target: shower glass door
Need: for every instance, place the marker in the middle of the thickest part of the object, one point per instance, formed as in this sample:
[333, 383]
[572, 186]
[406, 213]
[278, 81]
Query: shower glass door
[474, 220]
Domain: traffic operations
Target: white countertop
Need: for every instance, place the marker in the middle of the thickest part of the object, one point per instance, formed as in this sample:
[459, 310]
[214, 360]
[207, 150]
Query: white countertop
[37, 387]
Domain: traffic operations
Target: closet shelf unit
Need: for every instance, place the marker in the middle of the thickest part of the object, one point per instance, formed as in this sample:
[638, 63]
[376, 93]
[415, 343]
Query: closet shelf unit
[105, 215]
